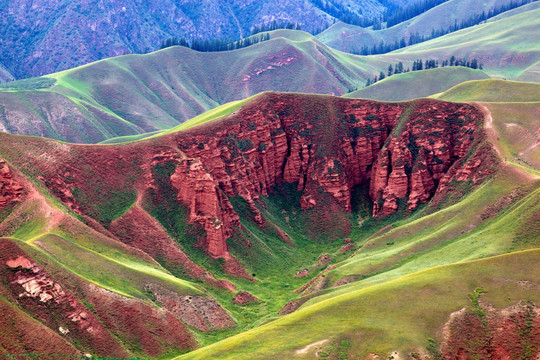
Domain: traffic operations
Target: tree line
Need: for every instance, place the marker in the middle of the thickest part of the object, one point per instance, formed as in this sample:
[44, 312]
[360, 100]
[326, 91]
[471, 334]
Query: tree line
[216, 44]
[213, 45]
[425, 65]
[400, 15]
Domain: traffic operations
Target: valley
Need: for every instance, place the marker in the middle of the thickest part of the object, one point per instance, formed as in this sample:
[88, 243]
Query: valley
[264, 203]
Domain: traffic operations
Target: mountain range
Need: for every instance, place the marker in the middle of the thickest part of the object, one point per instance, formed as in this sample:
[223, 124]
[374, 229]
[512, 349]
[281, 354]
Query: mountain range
[282, 200]
[94, 103]
[49, 36]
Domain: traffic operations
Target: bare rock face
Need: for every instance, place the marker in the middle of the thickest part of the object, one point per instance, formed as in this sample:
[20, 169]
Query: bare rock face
[328, 146]
[104, 323]
[208, 206]
[404, 153]
[511, 333]
[415, 159]
[201, 312]
[10, 189]
[37, 292]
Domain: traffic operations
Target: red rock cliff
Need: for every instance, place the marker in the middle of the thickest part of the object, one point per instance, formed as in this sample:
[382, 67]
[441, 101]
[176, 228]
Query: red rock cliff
[10, 189]
[326, 145]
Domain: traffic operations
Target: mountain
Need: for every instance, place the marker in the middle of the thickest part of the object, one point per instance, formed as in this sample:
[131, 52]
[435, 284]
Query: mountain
[506, 47]
[351, 38]
[95, 102]
[417, 84]
[136, 94]
[50, 36]
[339, 207]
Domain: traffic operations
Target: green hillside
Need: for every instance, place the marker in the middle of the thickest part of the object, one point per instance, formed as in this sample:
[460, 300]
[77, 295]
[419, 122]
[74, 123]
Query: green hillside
[350, 38]
[493, 91]
[506, 47]
[417, 84]
[135, 94]
[386, 319]
[513, 112]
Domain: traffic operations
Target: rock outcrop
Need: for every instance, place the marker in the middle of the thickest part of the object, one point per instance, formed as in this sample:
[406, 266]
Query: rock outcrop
[244, 298]
[511, 333]
[103, 323]
[10, 190]
[405, 153]
[328, 146]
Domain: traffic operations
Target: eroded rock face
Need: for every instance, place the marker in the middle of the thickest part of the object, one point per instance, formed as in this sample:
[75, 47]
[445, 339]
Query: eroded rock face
[38, 292]
[416, 158]
[328, 146]
[405, 153]
[103, 323]
[201, 312]
[511, 333]
[207, 204]
[10, 189]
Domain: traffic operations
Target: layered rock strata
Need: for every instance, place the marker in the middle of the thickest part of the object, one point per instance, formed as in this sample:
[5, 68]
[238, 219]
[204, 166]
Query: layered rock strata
[405, 153]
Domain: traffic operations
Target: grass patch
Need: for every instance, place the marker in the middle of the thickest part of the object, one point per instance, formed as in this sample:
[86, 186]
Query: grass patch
[36, 83]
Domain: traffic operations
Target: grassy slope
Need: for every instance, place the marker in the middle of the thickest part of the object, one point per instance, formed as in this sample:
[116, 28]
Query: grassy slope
[275, 263]
[415, 275]
[108, 264]
[493, 91]
[134, 94]
[399, 315]
[506, 47]
[417, 84]
[477, 227]
[513, 107]
[352, 38]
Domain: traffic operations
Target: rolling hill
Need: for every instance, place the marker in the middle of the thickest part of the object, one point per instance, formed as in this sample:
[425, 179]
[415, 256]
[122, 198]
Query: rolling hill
[135, 94]
[336, 208]
[505, 47]
[352, 39]
[417, 84]
[51, 36]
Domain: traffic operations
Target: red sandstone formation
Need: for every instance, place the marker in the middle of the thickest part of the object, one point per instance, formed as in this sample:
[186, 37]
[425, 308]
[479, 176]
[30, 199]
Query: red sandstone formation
[404, 152]
[10, 190]
[207, 205]
[511, 333]
[97, 323]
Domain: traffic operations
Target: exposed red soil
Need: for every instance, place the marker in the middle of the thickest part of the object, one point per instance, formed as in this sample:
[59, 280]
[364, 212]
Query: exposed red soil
[32, 288]
[155, 331]
[21, 334]
[201, 312]
[11, 191]
[294, 305]
[136, 228]
[98, 324]
[326, 145]
[345, 248]
[244, 298]
[507, 334]
[318, 283]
